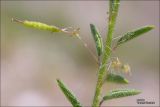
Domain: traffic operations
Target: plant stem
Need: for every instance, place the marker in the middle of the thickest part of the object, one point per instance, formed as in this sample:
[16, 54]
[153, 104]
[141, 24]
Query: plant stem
[86, 46]
[101, 103]
[113, 10]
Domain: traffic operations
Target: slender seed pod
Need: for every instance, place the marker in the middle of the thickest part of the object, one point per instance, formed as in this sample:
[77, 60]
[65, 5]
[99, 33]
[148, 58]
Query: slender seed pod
[43, 26]
[97, 39]
[39, 25]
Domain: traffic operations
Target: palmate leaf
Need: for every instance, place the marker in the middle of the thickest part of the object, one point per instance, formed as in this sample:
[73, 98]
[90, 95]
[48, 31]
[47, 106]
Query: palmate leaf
[68, 94]
[133, 34]
[115, 78]
[97, 39]
[121, 93]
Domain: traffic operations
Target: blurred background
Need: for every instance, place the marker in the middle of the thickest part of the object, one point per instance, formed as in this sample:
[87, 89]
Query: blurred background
[32, 60]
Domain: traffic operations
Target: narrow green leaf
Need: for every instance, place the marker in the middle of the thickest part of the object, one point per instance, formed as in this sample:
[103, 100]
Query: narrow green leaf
[121, 93]
[97, 38]
[133, 34]
[115, 78]
[68, 94]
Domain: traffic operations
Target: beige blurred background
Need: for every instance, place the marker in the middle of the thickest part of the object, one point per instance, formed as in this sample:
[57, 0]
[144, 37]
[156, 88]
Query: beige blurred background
[32, 60]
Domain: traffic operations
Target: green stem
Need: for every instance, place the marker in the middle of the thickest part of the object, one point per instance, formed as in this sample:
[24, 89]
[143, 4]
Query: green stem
[114, 5]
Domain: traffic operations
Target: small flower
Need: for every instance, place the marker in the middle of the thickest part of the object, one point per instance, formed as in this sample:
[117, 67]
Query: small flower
[116, 64]
[126, 68]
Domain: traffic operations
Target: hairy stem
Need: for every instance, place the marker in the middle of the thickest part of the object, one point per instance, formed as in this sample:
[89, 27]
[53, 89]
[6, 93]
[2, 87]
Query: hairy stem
[113, 10]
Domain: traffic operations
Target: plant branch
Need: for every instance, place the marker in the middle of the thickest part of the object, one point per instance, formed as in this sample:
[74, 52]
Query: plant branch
[113, 10]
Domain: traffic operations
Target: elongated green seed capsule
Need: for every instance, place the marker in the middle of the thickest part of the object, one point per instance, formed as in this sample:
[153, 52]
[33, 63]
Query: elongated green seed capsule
[39, 25]
[97, 38]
